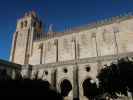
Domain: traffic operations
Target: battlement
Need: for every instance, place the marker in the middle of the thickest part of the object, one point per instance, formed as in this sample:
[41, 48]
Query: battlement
[96, 24]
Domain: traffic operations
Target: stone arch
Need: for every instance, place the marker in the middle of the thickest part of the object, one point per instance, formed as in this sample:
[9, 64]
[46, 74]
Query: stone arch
[65, 87]
[89, 88]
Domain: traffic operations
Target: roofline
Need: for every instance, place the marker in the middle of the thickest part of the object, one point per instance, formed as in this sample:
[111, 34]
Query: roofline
[96, 24]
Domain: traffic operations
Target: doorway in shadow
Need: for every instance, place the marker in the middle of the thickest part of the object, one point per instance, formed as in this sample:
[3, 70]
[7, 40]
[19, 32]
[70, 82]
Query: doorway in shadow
[89, 89]
[66, 87]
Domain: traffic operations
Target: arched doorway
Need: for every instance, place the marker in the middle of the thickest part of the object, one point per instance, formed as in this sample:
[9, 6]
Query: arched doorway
[89, 88]
[66, 87]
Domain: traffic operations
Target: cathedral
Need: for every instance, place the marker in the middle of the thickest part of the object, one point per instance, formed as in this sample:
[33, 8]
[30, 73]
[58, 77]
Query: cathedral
[69, 60]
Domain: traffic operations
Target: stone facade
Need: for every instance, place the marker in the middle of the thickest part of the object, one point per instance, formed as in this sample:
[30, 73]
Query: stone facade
[70, 57]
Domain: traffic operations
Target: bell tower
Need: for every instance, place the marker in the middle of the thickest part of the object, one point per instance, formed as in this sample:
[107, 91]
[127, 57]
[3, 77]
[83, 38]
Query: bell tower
[28, 28]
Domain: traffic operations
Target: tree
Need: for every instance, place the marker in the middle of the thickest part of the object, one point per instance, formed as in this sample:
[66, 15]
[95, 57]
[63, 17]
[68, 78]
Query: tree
[117, 78]
[27, 87]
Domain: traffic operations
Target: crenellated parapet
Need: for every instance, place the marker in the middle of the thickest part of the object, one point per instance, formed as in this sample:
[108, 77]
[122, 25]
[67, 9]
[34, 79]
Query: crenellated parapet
[115, 19]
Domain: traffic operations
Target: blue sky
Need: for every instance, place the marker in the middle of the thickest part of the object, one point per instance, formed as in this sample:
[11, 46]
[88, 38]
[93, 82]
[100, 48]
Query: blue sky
[60, 13]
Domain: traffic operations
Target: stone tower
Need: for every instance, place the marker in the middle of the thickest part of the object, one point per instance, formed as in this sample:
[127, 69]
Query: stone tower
[28, 28]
